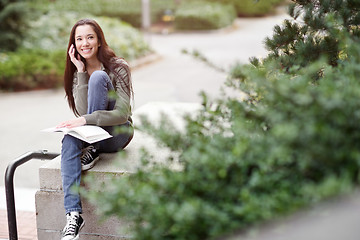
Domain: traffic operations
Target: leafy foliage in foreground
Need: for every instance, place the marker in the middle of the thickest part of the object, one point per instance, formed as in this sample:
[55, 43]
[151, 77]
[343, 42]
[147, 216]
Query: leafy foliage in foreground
[289, 139]
[289, 144]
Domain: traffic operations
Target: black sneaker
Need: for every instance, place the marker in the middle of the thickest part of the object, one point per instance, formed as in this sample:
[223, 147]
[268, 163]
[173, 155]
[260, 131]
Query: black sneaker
[74, 222]
[88, 158]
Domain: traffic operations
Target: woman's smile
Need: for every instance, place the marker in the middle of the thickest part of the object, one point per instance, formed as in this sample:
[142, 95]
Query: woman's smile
[86, 50]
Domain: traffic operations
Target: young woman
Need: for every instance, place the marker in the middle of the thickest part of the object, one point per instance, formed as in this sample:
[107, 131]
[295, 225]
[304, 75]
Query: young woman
[92, 72]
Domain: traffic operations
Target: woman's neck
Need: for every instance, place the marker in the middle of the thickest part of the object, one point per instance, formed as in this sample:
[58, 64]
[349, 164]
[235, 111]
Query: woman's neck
[92, 65]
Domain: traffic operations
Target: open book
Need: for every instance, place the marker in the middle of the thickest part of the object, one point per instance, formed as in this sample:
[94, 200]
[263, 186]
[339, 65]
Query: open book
[87, 133]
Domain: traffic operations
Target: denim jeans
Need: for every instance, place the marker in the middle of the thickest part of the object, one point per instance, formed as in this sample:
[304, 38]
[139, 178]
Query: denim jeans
[98, 88]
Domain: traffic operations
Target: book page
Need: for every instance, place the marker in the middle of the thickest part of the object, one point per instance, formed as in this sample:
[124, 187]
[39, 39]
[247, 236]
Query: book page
[87, 133]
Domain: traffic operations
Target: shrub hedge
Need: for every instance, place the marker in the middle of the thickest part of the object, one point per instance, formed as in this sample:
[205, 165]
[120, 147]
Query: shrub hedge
[39, 63]
[290, 138]
[126, 10]
[289, 144]
[203, 16]
[51, 31]
[130, 10]
[13, 15]
[248, 8]
[31, 69]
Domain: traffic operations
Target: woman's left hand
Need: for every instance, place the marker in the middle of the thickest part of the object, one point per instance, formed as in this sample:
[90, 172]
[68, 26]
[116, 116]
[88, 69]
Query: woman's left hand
[76, 122]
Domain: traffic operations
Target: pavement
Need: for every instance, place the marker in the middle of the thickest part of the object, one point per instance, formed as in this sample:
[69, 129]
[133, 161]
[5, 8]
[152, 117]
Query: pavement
[172, 77]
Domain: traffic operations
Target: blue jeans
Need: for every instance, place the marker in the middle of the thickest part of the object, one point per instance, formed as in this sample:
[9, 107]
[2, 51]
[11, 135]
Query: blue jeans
[98, 88]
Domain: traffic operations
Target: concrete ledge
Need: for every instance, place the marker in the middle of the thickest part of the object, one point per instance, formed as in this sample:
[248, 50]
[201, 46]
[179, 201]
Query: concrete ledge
[51, 219]
[50, 213]
[49, 173]
[109, 163]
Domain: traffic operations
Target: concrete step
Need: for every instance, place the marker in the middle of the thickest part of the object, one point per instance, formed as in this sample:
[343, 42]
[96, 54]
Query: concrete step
[50, 218]
[50, 213]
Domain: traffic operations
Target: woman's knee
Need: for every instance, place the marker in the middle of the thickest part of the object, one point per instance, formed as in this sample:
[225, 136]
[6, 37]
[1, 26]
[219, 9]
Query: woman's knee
[70, 142]
[99, 78]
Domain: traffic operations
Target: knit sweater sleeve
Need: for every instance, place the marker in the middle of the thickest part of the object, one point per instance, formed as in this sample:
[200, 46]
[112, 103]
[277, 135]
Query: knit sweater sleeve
[80, 91]
[122, 110]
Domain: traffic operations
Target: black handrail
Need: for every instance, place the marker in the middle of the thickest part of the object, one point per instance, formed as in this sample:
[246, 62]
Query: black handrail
[9, 186]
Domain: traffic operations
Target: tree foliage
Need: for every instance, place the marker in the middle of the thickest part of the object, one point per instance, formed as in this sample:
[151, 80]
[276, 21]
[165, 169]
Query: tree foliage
[312, 32]
[12, 23]
[290, 142]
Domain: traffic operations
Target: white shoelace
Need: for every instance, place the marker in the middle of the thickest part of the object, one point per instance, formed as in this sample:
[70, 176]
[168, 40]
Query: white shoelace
[86, 156]
[71, 225]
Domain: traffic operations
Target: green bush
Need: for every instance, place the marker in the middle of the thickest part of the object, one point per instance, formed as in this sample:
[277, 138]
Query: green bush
[51, 31]
[253, 8]
[40, 61]
[250, 8]
[203, 16]
[125, 40]
[130, 10]
[126, 10]
[13, 15]
[288, 140]
[31, 69]
[316, 35]
[289, 144]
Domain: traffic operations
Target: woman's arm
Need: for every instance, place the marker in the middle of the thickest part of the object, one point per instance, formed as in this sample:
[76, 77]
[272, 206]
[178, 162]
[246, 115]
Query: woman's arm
[122, 110]
[80, 88]
[80, 92]
[76, 122]
[118, 116]
[80, 82]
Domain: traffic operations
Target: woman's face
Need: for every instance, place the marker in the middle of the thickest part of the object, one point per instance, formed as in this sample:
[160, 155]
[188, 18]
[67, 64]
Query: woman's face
[86, 42]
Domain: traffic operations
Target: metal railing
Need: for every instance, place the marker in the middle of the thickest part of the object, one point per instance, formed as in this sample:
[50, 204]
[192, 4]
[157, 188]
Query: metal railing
[9, 186]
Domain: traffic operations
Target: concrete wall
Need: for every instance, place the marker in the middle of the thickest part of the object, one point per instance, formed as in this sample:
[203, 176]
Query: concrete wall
[50, 214]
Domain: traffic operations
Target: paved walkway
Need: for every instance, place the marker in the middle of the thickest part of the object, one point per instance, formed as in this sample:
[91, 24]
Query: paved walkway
[26, 225]
[174, 77]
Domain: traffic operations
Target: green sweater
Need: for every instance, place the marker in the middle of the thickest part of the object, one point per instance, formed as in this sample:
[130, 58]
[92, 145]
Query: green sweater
[122, 109]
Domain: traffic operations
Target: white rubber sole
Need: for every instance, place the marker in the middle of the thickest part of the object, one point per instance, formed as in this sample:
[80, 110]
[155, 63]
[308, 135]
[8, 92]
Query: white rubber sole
[90, 165]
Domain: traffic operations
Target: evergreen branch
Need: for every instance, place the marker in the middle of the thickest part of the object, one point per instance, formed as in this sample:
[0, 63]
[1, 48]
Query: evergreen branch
[199, 56]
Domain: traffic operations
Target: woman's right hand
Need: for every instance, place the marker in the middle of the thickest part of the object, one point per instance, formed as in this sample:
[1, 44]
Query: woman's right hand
[76, 60]
[76, 122]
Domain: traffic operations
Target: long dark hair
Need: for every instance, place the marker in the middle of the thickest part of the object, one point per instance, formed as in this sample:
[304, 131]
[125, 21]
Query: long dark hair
[105, 55]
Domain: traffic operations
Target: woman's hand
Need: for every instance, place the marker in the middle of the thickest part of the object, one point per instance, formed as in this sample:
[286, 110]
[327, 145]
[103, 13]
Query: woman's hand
[76, 122]
[76, 60]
